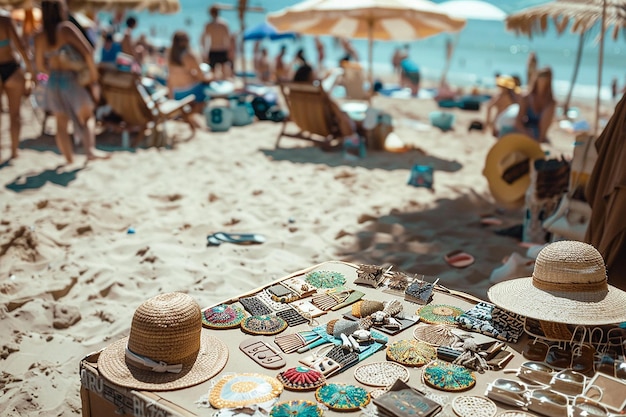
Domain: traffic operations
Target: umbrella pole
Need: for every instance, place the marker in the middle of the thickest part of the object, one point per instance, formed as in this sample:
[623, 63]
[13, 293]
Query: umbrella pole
[600, 62]
[579, 53]
[370, 53]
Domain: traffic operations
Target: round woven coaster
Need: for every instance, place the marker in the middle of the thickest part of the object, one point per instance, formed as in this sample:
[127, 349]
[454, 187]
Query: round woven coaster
[411, 352]
[342, 397]
[472, 406]
[381, 374]
[263, 325]
[436, 335]
[439, 314]
[375, 393]
[448, 377]
[515, 414]
[299, 408]
[325, 279]
[223, 316]
[301, 378]
[240, 390]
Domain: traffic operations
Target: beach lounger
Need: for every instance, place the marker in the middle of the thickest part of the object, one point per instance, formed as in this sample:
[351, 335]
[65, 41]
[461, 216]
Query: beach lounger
[140, 110]
[310, 111]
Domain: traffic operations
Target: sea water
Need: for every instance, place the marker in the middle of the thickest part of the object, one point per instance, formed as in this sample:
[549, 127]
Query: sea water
[483, 48]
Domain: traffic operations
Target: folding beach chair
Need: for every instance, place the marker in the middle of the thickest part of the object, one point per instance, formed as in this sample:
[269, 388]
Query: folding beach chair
[309, 109]
[140, 110]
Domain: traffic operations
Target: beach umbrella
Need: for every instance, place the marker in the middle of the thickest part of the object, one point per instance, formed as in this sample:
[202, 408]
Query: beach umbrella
[469, 10]
[157, 6]
[366, 19]
[265, 31]
[583, 15]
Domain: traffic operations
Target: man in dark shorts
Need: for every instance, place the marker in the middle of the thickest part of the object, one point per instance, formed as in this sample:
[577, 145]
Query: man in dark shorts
[216, 40]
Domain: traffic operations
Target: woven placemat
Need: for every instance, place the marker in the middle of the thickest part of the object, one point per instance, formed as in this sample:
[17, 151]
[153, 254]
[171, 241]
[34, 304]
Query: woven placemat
[411, 352]
[439, 314]
[474, 406]
[381, 374]
[448, 377]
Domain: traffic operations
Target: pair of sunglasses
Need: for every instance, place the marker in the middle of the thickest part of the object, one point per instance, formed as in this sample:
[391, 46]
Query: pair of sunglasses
[565, 381]
[518, 394]
[560, 356]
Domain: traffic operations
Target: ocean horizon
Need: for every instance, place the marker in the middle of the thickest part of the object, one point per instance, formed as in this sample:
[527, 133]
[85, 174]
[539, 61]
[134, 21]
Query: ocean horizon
[483, 48]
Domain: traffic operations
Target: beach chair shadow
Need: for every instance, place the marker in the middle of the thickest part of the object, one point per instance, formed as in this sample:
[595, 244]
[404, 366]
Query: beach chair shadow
[310, 111]
[140, 111]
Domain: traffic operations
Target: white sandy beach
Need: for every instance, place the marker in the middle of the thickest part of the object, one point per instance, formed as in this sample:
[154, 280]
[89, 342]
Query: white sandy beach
[71, 274]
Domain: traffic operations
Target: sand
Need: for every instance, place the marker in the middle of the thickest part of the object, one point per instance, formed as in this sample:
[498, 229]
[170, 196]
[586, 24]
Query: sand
[72, 272]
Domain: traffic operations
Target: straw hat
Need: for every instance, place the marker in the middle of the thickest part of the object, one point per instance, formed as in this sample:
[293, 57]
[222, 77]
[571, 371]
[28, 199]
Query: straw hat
[166, 349]
[508, 82]
[508, 151]
[569, 285]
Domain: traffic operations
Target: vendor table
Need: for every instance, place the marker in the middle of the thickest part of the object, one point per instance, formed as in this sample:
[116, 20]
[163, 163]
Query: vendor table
[101, 398]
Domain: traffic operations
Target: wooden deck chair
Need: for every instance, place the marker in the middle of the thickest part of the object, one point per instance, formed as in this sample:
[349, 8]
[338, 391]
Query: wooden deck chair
[130, 100]
[310, 111]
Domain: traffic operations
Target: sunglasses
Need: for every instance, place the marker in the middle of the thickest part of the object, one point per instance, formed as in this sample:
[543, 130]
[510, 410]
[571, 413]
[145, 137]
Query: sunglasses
[564, 381]
[542, 400]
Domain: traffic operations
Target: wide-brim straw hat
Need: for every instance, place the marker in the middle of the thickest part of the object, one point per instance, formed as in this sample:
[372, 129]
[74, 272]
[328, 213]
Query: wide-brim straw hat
[509, 150]
[166, 349]
[569, 285]
[508, 82]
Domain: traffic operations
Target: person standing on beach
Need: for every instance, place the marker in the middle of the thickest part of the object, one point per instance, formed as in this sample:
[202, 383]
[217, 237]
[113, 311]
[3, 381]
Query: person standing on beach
[128, 45]
[281, 71]
[321, 54]
[350, 53]
[531, 68]
[410, 73]
[507, 96]
[12, 77]
[59, 48]
[537, 107]
[216, 39]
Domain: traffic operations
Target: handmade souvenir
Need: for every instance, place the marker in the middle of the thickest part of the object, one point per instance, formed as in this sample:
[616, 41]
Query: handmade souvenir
[223, 316]
[255, 306]
[419, 292]
[370, 275]
[380, 374]
[289, 343]
[325, 279]
[292, 317]
[492, 321]
[439, 314]
[301, 378]
[364, 308]
[296, 408]
[299, 286]
[352, 298]
[336, 327]
[342, 397]
[266, 298]
[262, 353]
[474, 406]
[411, 352]
[398, 281]
[436, 335]
[402, 400]
[240, 390]
[328, 299]
[448, 377]
[515, 414]
[263, 325]
[307, 309]
[281, 294]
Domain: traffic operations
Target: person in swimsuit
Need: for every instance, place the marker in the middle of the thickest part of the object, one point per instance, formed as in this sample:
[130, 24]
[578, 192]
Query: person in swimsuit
[507, 96]
[185, 75]
[57, 48]
[12, 77]
[537, 107]
[216, 39]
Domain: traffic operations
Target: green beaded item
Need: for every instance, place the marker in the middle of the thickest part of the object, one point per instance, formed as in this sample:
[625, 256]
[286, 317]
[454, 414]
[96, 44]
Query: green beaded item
[342, 397]
[265, 324]
[325, 279]
[223, 316]
[411, 352]
[296, 408]
[448, 376]
[439, 314]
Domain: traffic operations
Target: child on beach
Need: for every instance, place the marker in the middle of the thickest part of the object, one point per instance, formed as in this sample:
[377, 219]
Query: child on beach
[12, 78]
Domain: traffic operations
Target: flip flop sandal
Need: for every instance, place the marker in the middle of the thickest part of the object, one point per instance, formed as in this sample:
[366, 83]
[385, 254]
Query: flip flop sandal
[239, 238]
[459, 259]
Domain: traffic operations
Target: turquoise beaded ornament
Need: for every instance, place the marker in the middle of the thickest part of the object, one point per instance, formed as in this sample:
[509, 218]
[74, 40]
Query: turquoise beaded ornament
[325, 279]
[342, 397]
[448, 376]
[296, 408]
[223, 316]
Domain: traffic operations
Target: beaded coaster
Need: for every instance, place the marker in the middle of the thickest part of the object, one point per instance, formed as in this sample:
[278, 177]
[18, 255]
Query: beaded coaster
[263, 325]
[255, 306]
[473, 406]
[411, 352]
[223, 316]
[240, 390]
[436, 335]
[448, 377]
[515, 414]
[292, 317]
[342, 397]
[325, 279]
[439, 314]
[301, 378]
[299, 408]
[380, 374]
[375, 393]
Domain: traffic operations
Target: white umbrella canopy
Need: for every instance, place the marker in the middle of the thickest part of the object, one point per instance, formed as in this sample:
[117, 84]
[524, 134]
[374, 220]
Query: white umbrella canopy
[366, 19]
[472, 9]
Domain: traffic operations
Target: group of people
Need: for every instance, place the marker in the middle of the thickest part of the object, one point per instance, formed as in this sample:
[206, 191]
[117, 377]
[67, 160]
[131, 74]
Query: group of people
[531, 114]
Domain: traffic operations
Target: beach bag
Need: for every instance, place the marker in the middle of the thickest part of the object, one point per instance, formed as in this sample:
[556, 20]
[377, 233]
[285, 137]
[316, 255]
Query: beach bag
[263, 104]
[421, 176]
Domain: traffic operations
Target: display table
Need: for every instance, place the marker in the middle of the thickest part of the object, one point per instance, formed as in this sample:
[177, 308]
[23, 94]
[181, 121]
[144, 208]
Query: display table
[101, 398]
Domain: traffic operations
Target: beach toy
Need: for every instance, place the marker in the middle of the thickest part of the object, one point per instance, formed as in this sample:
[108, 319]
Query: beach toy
[442, 120]
[219, 119]
[243, 113]
[421, 176]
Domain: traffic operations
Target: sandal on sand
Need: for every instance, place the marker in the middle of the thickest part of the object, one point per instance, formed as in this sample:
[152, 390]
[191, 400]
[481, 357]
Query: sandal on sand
[459, 259]
[238, 238]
